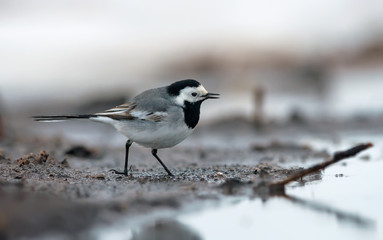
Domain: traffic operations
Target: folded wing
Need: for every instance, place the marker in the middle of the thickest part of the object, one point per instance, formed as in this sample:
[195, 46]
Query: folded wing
[131, 111]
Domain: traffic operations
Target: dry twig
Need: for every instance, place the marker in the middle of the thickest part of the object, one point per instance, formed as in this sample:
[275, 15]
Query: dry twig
[338, 156]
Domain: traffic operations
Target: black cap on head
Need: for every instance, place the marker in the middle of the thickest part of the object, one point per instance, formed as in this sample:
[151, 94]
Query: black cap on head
[175, 88]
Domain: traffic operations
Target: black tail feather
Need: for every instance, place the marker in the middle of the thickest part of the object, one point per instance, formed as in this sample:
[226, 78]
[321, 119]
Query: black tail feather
[61, 117]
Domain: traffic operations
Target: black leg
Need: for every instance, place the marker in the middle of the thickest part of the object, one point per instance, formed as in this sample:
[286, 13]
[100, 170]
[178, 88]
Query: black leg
[154, 152]
[125, 172]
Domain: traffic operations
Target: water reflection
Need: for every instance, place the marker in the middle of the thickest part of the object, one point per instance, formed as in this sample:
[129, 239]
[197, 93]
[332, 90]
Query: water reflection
[341, 216]
[165, 229]
[276, 219]
[341, 202]
[344, 207]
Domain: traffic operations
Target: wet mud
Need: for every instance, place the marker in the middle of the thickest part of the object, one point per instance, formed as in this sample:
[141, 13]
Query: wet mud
[51, 185]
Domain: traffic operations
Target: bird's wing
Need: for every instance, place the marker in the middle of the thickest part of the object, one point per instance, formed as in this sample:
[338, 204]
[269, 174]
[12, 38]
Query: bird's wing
[133, 111]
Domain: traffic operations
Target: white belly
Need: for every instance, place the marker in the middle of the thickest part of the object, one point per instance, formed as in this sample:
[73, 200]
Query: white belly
[150, 134]
[162, 137]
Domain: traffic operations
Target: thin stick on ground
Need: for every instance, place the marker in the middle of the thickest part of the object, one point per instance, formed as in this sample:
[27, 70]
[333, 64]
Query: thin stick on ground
[338, 156]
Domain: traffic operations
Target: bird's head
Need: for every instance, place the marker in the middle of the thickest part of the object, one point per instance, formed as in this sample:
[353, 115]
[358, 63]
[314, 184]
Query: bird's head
[191, 91]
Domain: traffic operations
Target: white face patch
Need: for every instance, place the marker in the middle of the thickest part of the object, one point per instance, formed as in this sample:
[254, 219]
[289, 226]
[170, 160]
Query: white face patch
[191, 94]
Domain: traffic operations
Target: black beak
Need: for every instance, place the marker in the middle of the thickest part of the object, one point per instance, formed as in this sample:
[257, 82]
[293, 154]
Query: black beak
[211, 96]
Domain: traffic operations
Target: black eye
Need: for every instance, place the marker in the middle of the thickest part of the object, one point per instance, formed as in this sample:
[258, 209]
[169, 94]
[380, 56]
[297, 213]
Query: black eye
[194, 94]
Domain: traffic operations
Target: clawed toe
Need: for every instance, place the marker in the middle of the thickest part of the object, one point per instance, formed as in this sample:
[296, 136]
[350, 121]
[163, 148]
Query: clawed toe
[118, 172]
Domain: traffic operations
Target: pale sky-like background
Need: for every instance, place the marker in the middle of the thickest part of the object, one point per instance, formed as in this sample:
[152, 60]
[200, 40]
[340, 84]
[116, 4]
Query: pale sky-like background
[51, 47]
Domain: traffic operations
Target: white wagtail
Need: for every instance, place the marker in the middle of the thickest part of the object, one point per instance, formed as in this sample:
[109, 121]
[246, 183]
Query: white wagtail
[157, 118]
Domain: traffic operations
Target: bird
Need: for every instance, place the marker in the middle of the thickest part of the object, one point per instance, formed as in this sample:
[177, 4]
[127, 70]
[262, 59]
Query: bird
[157, 118]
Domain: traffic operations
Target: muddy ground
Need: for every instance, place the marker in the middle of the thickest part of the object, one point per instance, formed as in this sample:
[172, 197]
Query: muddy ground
[52, 185]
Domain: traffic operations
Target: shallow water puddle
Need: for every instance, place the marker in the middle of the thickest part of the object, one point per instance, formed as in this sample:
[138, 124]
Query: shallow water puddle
[338, 207]
[344, 204]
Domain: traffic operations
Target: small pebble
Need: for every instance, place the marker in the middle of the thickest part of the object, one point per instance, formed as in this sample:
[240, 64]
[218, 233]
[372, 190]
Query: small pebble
[65, 163]
[219, 175]
[365, 157]
[99, 176]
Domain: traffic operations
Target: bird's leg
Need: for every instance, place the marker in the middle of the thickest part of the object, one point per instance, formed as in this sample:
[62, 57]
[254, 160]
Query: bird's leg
[125, 172]
[154, 152]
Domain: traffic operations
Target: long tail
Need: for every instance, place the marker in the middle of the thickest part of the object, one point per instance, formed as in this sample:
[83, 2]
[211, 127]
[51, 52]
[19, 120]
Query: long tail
[55, 118]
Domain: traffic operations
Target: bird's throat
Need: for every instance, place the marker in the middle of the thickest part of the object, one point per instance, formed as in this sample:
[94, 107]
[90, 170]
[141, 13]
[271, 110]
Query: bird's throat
[191, 113]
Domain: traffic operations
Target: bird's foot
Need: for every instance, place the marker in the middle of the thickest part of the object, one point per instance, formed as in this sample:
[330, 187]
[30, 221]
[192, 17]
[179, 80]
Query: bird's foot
[170, 174]
[118, 172]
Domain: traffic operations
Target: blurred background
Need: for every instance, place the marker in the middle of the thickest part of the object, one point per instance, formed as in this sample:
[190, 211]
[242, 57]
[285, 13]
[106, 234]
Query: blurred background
[316, 58]
[308, 73]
